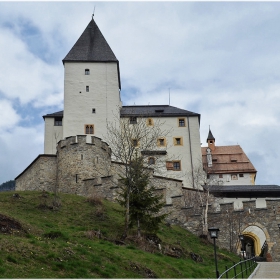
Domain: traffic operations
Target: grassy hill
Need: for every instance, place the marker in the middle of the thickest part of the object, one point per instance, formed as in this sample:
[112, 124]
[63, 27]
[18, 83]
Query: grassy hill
[82, 240]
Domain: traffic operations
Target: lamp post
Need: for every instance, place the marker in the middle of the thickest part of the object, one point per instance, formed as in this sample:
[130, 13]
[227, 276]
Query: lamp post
[214, 234]
[241, 238]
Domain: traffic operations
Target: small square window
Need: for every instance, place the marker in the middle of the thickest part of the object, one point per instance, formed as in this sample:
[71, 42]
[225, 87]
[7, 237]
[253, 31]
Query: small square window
[87, 88]
[58, 121]
[151, 160]
[87, 72]
[220, 175]
[241, 175]
[176, 165]
[150, 122]
[133, 120]
[161, 141]
[234, 177]
[135, 143]
[177, 141]
[182, 122]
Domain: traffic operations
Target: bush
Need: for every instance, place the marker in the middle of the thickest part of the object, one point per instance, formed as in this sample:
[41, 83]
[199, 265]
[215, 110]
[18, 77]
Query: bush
[94, 200]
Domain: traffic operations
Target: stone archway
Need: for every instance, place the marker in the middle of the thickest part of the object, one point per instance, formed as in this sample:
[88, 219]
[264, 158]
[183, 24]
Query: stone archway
[259, 235]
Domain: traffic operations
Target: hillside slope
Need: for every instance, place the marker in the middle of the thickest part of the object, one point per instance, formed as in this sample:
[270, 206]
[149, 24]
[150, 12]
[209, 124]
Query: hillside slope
[81, 239]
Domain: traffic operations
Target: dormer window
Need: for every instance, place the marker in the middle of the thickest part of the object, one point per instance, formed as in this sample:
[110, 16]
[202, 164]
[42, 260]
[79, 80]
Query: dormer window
[87, 72]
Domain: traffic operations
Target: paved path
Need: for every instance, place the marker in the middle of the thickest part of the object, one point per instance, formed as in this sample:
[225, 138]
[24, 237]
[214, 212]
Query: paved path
[267, 270]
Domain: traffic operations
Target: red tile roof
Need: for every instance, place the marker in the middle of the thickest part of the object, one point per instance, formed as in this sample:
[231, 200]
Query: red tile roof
[228, 159]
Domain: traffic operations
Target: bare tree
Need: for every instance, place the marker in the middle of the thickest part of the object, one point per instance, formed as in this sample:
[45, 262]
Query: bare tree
[200, 199]
[132, 138]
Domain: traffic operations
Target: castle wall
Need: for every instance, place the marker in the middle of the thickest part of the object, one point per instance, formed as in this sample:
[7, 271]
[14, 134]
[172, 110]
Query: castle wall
[172, 187]
[39, 175]
[79, 160]
[231, 222]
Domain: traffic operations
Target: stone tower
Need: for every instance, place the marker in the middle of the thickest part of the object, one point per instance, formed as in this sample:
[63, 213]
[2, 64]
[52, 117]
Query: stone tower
[91, 85]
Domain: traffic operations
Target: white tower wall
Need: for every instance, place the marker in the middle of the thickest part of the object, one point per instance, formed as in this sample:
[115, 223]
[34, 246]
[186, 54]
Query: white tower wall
[103, 96]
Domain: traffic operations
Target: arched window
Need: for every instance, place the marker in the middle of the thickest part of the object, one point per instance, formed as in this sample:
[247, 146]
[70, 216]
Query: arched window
[89, 129]
[87, 72]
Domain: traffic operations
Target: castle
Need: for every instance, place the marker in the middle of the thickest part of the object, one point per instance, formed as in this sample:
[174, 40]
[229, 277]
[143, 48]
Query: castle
[75, 150]
[92, 101]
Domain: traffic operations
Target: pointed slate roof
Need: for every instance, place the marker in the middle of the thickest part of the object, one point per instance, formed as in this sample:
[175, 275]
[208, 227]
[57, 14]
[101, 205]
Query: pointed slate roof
[210, 136]
[91, 47]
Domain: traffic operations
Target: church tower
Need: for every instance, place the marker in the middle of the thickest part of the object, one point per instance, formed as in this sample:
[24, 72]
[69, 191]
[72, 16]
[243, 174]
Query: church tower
[211, 140]
[91, 85]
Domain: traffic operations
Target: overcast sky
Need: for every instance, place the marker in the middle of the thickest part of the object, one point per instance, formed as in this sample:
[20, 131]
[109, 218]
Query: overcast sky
[219, 59]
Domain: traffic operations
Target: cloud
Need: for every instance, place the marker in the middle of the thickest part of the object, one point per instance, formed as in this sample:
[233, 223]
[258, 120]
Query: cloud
[8, 116]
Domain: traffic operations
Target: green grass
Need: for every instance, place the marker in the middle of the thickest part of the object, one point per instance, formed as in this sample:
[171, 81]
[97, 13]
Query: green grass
[58, 244]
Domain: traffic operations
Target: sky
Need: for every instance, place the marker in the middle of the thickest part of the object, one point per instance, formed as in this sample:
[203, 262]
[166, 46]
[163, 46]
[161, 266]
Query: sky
[218, 59]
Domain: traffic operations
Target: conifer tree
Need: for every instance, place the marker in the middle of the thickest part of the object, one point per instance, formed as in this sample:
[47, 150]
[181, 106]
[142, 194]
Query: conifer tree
[144, 203]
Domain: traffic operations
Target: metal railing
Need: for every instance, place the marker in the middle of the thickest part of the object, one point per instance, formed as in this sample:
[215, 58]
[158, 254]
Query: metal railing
[240, 269]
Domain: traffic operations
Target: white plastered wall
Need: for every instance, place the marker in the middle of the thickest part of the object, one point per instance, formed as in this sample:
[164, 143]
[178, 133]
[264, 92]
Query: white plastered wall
[189, 153]
[103, 96]
[247, 179]
[53, 134]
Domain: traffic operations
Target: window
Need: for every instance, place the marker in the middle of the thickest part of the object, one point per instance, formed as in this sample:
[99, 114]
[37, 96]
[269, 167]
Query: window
[220, 175]
[87, 72]
[93, 110]
[182, 122]
[150, 122]
[58, 121]
[133, 120]
[176, 165]
[87, 88]
[173, 165]
[178, 141]
[241, 175]
[234, 177]
[151, 160]
[89, 129]
[161, 142]
[135, 142]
